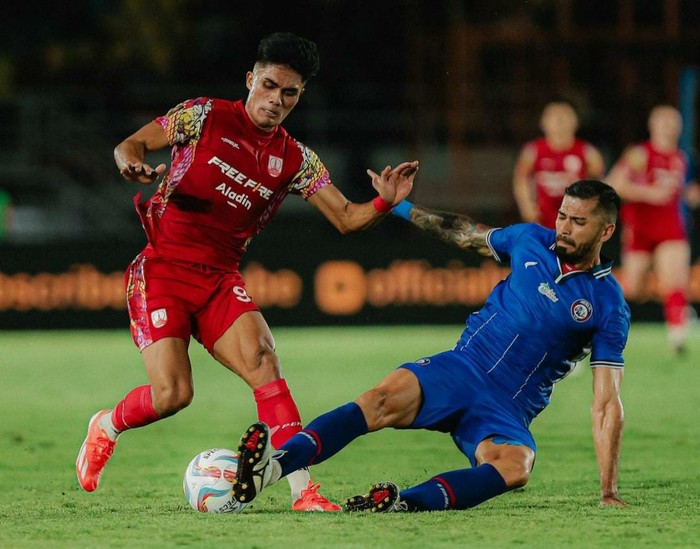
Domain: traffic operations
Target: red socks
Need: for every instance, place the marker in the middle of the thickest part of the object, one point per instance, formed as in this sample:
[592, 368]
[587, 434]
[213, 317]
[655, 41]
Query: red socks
[134, 410]
[277, 408]
[676, 308]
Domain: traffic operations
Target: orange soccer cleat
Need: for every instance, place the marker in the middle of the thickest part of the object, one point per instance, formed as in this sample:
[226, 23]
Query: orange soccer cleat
[311, 500]
[94, 454]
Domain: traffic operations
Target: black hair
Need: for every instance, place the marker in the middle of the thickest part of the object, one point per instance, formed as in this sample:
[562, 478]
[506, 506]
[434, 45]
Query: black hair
[608, 199]
[285, 48]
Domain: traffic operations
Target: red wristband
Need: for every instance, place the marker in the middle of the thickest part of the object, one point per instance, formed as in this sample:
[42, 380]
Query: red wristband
[381, 205]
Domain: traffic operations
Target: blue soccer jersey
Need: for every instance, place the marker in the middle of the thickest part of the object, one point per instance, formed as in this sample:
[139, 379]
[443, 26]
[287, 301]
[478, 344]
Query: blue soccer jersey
[543, 318]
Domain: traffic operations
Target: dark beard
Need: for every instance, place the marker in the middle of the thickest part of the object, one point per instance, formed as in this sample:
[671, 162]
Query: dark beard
[568, 257]
[576, 256]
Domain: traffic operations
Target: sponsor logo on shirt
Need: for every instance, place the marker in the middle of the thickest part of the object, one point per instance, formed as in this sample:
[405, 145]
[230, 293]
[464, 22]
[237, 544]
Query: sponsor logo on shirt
[159, 318]
[231, 142]
[235, 198]
[581, 310]
[274, 166]
[554, 183]
[530, 264]
[423, 361]
[240, 178]
[548, 164]
[546, 291]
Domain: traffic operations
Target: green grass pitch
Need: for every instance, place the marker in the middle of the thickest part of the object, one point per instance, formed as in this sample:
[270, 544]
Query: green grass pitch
[51, 382]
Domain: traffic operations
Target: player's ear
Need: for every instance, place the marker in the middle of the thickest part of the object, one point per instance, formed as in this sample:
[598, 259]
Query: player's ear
[249, 80]
[607, 232]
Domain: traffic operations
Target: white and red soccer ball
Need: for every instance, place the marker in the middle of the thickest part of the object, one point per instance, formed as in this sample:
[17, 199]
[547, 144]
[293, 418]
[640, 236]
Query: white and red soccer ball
[207, 483]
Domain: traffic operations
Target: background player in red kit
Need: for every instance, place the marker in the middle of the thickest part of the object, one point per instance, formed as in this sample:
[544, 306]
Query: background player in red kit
[232, 164]
[547, 165]
[650, 178]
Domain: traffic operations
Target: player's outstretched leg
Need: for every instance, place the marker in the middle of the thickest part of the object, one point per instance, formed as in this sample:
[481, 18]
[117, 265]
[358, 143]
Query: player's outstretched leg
[255, 468]
[382, 497]
[96, 450]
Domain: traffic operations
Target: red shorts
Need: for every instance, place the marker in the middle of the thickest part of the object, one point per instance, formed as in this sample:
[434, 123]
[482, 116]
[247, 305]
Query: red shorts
[167, 298]
[636, 239]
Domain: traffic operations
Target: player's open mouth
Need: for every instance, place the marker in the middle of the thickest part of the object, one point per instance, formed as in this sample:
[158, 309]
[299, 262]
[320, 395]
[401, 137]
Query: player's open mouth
[271, 114]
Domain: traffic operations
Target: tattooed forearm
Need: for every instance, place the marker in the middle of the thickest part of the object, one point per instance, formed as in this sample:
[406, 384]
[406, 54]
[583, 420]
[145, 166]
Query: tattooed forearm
[456, 229]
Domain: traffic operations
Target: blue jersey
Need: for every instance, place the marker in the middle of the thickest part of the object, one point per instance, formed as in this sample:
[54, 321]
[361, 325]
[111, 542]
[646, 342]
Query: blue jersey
[543, 318]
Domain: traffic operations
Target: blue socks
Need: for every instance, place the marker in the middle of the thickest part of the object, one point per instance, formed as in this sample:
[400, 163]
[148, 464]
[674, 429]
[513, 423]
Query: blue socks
[323, 437]
[331, 432]
[459, 489]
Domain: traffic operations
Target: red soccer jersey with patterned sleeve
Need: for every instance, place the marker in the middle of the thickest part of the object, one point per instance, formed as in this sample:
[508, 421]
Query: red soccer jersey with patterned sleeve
[226, 180]
[553, 171]
[646, 165]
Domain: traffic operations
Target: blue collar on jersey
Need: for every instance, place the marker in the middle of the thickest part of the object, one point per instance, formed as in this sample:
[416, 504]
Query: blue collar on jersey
[567, 271]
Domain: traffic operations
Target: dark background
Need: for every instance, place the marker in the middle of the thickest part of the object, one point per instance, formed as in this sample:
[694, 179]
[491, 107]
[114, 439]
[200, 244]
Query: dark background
[458, 85]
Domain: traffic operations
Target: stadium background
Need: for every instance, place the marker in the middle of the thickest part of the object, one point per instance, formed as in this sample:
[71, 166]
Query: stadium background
[458, 85]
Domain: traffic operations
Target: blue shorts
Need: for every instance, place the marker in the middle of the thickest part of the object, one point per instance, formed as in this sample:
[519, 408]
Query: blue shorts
[461, 400]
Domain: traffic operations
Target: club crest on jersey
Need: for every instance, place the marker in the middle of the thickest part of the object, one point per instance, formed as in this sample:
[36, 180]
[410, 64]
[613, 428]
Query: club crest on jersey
[274, 166]
[581, 310]
[546, 291]
[159, 318]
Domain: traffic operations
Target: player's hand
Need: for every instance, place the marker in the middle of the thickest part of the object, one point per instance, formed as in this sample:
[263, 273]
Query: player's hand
[691, 195]
[140, 172]
[393, 185]
[658, 195]
[612, 501]
[530, 213]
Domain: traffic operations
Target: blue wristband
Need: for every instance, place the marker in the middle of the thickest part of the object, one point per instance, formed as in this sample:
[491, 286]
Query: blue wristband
[403, 210]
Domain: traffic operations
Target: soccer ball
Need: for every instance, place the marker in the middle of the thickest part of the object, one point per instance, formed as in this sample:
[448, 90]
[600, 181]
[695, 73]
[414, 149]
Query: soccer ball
[207, 482]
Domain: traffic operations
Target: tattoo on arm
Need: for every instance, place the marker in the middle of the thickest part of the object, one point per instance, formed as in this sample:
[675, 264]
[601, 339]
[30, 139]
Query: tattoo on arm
[456, 229]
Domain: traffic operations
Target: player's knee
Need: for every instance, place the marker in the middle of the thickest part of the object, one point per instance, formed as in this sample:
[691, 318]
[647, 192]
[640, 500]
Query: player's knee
[632, 287]
[376, 406]
[632, 292]
[261, 367]
[268, 361]
[516, 477]
[170, 400]
[512, 461]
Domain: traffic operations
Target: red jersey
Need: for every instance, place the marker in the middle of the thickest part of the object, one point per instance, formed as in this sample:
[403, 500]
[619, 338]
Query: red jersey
[226, 180]
[647, 166]
[553, 171]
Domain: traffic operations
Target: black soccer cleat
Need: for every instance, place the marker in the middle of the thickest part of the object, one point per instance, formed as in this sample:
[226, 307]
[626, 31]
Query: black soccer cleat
[383, 497]
[357, 503]
[254, 470]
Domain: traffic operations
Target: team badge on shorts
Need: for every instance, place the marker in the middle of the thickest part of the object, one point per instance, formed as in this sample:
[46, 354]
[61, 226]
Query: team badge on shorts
[581, 310]
[274, 166]
[159, 318]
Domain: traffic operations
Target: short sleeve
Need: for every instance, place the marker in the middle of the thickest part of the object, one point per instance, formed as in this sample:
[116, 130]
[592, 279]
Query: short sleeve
[184, 122]
[312, 175]
[501, 240]
[611, 338]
